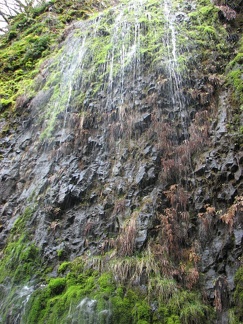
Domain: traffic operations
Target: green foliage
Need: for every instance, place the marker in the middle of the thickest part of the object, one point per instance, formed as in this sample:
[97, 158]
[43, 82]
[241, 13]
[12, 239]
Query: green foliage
[62, 295]
[56, 286]
[20, 262]
[207, 11]
[207, 31]
[5, 103]
[30, 37]
[64, 266]
[19, 58]
[20, 223]
[235, 75]
[188, 306]
[234, 78]
[238, 295]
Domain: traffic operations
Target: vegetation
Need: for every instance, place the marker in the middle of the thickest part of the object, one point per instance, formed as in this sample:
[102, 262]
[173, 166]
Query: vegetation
[234, 77]
[20, 263]
[20, 257]
[238, 296]
[114, 302]
[30, 37]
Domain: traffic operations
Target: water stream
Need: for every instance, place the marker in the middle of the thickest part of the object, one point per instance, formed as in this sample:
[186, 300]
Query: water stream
[105, 54]
[15, 301]
[86, 312]
[173, 66]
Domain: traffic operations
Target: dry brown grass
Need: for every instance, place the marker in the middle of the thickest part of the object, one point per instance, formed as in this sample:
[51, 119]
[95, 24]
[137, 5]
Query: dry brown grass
[229, 216]
[125, 242]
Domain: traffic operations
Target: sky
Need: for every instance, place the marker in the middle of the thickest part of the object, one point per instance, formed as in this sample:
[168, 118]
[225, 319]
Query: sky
[3, 8]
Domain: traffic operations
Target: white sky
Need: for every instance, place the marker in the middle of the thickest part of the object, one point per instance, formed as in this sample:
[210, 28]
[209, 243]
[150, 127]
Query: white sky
[3, 8]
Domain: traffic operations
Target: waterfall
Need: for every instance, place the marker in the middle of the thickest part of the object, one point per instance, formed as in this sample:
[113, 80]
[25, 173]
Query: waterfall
[173, 68]
[105, 60]
[104, 85]
[102, 163]
[113, 77]
[86, 312]
[100, 58]
[15, 300]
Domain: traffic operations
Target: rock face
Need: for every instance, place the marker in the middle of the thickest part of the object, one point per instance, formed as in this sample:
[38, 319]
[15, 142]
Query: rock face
[126, 140]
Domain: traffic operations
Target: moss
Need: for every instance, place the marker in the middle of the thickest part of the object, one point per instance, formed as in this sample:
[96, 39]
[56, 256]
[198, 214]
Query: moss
[238, 295]
[20, 224]
[127, 304]
[21, 260]
[103, 65]
[207, 31]
[30, 37]
[5, 103]
[60, 253]
[207, 11]
[234, 76]
[64, 266]
[57, 286]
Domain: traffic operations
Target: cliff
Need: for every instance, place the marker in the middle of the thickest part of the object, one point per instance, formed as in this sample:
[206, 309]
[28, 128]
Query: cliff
[121, 163]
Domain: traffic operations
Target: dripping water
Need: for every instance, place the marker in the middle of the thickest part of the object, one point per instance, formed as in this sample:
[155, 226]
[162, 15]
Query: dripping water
[173, 67]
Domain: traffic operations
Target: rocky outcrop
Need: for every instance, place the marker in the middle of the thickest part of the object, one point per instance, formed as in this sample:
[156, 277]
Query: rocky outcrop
[142, 155]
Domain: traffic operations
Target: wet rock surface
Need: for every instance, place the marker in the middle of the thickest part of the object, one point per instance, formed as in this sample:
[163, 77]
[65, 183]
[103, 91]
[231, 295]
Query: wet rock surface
[131, 155]
[78, 178]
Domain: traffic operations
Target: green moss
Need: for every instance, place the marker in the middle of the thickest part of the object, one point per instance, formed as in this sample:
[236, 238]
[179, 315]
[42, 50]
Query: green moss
[21, 260]
[102, 64]
[31, 35]
[234, 79]
[207, 31]
[238, 295]
[5, 103]
[57, 286]
[235, 75]
[19, 226]
[64, 266]
[207, 11]
[127, 304]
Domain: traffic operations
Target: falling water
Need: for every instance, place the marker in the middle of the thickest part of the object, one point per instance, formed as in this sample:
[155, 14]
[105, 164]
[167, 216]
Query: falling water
[173, 67]
[102, 55]
[13, 305]
[63, 83]
[106, 60]
[86, 312]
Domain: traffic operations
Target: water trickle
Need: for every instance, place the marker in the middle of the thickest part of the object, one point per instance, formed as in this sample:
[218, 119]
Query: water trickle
[86, 312]
[13, 305]
[104, 54]
[173, 66]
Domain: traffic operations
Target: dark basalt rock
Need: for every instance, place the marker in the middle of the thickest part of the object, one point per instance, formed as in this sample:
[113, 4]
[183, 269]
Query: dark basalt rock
[102, 164]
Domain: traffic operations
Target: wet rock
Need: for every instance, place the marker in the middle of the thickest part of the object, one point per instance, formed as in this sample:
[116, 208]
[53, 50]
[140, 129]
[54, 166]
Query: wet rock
[151, 175]
[209, 280]
[117, 169]
[221, 295]
[200, 170]
[144, 224]
[142, 124]
[181, 16]
[147, 150]
[227, 193]
[141, 176]
[102, 165]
